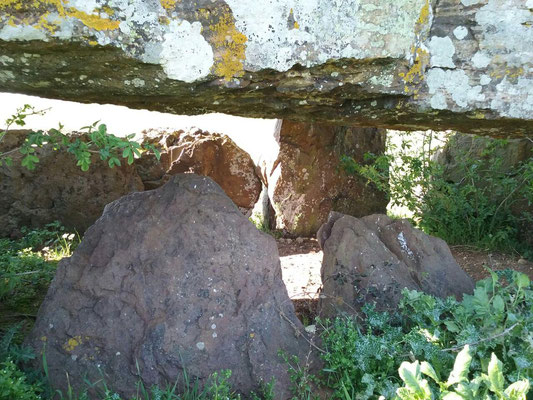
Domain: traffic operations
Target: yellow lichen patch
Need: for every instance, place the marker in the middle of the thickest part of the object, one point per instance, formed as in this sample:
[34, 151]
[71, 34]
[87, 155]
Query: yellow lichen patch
[168, 4]
[72, 343]
[61, 7]
[421, 57]
[296, 25]
[415, 75]
[94, 21]
[424, 14]
[93, 42]
[231, 44]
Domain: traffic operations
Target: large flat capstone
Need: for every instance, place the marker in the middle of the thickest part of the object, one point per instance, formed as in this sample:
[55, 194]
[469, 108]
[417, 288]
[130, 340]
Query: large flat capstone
[403, 64]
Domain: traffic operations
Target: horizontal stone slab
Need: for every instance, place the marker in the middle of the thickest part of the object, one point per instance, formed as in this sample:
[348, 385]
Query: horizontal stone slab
[405, 64]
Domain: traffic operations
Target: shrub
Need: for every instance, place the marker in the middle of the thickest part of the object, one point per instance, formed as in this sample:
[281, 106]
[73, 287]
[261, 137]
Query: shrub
[476, 210]
[362, 356]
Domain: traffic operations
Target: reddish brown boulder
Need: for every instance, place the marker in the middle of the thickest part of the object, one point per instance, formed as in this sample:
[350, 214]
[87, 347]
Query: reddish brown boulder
[57, 189]
[372, 259]
[169, 280]
[306, 181]
[203, 153]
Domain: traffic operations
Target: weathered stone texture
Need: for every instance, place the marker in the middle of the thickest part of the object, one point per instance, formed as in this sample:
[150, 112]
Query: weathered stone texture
[372, 259]
[404, 64]
[202, 153]
[57, 189]
[169, 280]
[306, 181]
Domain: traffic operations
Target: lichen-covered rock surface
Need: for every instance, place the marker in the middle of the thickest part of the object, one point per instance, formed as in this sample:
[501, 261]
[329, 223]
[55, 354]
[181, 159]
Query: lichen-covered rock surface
[169, 280]
[202, 153]
[371, 259]
[306, 182]
[403, 64]
[57, 189]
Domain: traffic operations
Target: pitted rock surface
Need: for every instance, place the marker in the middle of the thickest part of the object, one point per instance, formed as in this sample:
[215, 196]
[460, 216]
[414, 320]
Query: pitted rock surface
[203, 153]
[57, 189]
[372, 259]
[306, 181]
[170, 279]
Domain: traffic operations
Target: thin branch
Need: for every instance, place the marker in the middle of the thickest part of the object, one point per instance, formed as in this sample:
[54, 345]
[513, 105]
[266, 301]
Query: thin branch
[505, 332]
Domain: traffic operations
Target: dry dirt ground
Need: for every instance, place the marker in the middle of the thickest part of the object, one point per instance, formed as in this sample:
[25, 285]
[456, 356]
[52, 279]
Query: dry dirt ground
[301, 259]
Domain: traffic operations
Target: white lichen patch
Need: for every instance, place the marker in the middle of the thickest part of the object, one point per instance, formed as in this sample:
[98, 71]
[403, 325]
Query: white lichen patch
[6, 76]
[87, 6]
[507, 32]
[200, 345]
[455, 84]
[521, 92]
[485, 79]
[439, 102]
[138, 82]
[328, 29]
[480, 60]
[21, 33]
[442, 51]
[5, 60]
[186, 55]
[403, 245]
[460, 32]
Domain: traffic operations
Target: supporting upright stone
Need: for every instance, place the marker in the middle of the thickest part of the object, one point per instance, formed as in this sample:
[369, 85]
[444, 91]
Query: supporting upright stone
[170, 280]
[306, 182]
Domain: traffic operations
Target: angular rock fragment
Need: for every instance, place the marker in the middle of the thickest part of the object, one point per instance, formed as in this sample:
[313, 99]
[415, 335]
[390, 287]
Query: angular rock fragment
[306, 181]
[372, 259]
[203, 153]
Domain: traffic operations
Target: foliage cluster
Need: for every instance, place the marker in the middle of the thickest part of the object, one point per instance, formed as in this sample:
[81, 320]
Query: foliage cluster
[478, 209]
[363, 356]
[94, 140]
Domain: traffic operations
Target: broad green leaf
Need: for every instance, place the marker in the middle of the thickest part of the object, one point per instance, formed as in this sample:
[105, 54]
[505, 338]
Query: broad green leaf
[522, 280]
[517, 390]
[410, 374]
[29, 161]
[460, 367]
[498, 303]
[428, 370]
[452, 326]
[495, 374]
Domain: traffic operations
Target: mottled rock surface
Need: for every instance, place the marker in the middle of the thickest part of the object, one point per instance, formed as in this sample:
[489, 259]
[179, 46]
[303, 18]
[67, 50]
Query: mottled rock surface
[306, 181]
[372, 259]
[57, 189]
[202, 153]
[405, 64]
[170, 279]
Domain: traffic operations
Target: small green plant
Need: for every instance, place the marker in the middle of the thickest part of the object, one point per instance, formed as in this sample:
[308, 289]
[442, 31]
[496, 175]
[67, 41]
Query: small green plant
[95, 140]
[302, 381]
[362, 355]
[459, 386]
[27, 265]
[478, 209]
